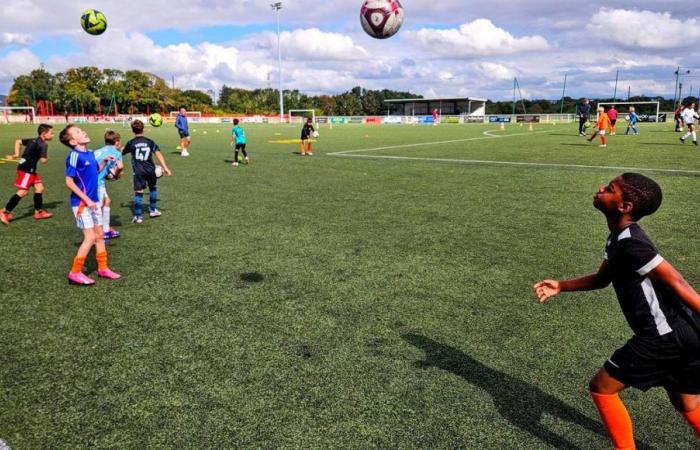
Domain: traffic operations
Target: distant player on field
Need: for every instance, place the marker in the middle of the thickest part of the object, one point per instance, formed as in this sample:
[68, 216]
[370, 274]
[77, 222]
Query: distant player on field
[661, 308]
[436, 117]
[238, 140]
[35, 151]
[632, 120]
[584, 112]
[689, 115]
[82, 180]
[142, 150]
[111, 157]
[306, 134]
[612, 115]
[603, 123]
[184, 130]
[678, 117]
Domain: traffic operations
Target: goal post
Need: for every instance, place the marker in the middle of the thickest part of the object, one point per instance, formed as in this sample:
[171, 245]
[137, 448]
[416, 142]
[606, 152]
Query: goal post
[17, 114]
[301, 114]
[654, 106]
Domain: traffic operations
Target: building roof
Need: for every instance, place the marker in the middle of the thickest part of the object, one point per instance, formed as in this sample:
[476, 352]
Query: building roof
[446, 99]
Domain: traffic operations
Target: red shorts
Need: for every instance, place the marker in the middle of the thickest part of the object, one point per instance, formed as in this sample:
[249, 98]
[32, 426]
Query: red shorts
[26, 180]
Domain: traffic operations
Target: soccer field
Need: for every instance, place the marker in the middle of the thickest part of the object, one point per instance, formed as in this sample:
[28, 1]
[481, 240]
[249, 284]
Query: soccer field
[375, 295]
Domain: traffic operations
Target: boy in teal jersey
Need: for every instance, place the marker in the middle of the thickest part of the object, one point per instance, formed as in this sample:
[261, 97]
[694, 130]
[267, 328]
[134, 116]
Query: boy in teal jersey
[114, 167]
[239, 141]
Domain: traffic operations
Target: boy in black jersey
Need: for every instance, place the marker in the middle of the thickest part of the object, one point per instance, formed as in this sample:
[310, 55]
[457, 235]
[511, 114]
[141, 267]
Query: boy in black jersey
[35, 151]
[662, 309]
[306, 134]
[142, 150]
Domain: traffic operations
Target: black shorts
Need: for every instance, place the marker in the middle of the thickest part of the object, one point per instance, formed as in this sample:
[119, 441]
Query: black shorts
[184, 134]
[240, 147]
[613, 121]
[671, 361]
[143, 181]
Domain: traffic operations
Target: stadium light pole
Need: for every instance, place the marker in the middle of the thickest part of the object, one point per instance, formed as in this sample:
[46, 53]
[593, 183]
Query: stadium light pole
[277, 7]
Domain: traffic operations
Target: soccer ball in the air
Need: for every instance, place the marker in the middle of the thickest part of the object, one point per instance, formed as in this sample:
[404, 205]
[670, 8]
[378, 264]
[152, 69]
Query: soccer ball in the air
[314, 135]
[587, 124]
[627, 117]
[159, 171]
[381, 19]
[93, 22]
[155, 120]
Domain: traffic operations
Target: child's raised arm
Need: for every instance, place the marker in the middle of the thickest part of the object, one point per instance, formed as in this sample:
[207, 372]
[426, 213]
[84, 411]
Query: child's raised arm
[547, 289]
[667, 274]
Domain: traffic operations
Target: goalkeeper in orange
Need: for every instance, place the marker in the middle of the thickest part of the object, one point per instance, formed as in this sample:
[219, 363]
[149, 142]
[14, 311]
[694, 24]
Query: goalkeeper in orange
[603, 124]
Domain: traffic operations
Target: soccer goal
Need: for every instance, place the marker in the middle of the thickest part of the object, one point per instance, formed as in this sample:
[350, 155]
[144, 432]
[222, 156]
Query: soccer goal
[651, 111]
[17, 114]
[299, 116]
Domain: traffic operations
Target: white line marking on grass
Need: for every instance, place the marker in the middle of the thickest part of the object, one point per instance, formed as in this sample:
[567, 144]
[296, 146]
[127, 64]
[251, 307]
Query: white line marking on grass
[520, 163]
[421, 144]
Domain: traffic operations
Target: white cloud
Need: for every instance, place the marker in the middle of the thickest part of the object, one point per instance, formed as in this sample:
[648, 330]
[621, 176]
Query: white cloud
[14, 38]
[16, 63]
[313, 45]
[644, 29]
[478, 38]
[496, 71]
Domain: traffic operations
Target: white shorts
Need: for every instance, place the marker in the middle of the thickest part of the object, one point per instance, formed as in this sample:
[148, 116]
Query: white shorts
[601, 132]
[88, 218]
[102, 193]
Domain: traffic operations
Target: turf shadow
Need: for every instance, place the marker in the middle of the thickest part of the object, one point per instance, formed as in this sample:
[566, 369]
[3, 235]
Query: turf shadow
[252, 277]
[521, 403]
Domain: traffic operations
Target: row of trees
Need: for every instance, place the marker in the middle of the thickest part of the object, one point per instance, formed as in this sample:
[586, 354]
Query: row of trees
[90, 90]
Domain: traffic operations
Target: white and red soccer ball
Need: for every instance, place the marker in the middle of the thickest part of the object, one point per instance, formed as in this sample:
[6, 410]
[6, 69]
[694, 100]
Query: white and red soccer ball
[381, 19]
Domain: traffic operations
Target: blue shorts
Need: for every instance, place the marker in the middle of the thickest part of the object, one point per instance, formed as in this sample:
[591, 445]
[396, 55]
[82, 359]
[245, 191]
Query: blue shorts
[184, 134]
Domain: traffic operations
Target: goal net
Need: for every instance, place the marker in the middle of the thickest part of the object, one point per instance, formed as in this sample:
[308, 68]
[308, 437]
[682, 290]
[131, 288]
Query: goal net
[17, 114]
[299, 116]
[647, 111]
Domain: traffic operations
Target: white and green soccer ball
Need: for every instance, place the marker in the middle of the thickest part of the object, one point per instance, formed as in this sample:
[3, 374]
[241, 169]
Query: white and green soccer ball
[314, 135]
[93, 22]
[155, 120]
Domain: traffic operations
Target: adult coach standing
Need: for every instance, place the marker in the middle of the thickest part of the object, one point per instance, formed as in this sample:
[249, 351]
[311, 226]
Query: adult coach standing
[584, 112]
[184, 130]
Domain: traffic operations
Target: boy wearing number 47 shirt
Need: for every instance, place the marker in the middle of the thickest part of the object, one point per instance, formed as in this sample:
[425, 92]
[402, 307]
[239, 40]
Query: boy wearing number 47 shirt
[142, 150]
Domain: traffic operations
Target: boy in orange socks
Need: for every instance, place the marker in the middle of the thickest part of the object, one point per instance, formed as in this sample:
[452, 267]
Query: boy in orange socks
[662, 309]
[603, 123]
[82, 179]
[306, 135]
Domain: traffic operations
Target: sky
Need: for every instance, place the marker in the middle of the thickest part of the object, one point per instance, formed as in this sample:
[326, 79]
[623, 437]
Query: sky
[445, 47]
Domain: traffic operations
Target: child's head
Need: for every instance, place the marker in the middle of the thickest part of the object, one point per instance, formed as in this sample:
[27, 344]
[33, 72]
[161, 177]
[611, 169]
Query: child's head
[112, 138]
[45, 132]
[309, 120]
[631, 108]
[601, 109]
[236, 121]
[183, 111]
[73, 136]
[137, 127]
[629, 193]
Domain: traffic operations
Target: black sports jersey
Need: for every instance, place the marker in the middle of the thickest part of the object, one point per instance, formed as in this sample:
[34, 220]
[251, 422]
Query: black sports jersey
[651, 310]
[142, 149]
[34, 150]
[306, 131]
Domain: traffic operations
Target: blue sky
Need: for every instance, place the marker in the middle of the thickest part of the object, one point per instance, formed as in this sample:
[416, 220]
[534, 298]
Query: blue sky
[452, 48]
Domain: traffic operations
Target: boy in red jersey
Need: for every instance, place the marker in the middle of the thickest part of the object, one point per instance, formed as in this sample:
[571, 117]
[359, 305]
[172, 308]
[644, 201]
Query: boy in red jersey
[35, 151]
[661, 308]
[612, 115]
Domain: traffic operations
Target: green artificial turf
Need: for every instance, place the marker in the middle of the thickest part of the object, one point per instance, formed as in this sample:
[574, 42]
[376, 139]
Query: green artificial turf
[336, 301]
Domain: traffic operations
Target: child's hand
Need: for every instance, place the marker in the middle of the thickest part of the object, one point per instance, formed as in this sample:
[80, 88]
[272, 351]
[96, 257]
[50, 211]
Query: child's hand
[167, 172]
[90, 204]
[546, 289]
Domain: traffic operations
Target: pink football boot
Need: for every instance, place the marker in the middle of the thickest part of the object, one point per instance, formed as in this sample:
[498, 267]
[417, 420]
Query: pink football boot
[80, 279]
[107, 273]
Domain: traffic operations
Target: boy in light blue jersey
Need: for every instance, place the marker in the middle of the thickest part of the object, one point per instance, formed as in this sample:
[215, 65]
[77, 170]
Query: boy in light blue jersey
[111, 156]
[632, 120]
[239, 140]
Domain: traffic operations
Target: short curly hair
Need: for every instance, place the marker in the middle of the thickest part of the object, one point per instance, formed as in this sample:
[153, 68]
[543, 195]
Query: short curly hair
[643, 192]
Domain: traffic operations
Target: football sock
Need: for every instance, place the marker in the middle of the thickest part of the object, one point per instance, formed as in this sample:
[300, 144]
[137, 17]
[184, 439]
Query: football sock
[12, 204]
[105, 218]
[102, 261]
[301, 148]
[602, 138]
[235, 156]
[153, 198]
[616, 420]
[685, 136]
[138, 204]
[38, 202]
[78, 263]
[695, 136]
[310, 149]
[245, 155]
[693, 418]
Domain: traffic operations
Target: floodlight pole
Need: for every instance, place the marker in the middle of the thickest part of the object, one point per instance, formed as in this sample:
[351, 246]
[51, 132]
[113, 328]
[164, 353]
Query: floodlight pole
[277, 7]
[561, 109]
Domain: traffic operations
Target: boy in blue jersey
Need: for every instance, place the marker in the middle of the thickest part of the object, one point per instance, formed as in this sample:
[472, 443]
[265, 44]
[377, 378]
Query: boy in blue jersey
[142, 150]
[82, 179]
[183, 129]
[632, 120]
[111, 157]
[661, 308]
[239, 140]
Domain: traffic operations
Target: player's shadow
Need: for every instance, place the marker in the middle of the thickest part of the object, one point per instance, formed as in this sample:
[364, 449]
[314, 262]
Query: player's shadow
[50, 207]
[252, 277]
[522, 404]
[577, 145]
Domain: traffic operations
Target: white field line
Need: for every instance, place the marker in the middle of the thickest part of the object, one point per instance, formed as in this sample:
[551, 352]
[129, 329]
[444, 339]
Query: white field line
[421, 144]
[349, 154]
